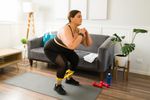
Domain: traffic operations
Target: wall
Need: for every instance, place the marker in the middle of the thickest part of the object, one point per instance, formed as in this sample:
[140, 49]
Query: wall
[11, 31]
[5, 35]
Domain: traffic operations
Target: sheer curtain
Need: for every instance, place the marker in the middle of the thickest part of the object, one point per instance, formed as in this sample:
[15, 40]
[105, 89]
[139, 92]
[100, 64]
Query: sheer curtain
[9, 10]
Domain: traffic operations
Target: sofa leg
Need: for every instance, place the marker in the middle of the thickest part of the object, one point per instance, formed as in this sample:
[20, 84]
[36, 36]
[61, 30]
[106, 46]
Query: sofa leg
[31, 62]
[101, 75]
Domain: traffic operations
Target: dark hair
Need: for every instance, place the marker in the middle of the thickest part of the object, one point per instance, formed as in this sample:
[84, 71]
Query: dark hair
[72, 13]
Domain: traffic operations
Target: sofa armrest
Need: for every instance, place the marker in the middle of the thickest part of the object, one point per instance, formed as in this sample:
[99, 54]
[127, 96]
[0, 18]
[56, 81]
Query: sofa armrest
[106, 55]
[34, 43]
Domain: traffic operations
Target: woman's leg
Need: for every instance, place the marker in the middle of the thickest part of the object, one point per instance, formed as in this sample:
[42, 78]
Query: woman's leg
[73, 59]
[59, 60]
[61, 63]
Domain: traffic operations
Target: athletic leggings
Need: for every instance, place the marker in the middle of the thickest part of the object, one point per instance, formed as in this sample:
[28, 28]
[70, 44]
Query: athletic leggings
[61, 57]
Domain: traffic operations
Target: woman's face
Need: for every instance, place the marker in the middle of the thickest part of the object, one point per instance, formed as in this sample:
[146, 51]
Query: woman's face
[77, 19]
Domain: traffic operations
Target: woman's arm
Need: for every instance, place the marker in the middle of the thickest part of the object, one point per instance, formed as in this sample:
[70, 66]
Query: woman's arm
[87, 40]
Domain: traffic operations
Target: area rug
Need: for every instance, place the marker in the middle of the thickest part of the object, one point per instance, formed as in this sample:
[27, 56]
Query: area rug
[44, 85]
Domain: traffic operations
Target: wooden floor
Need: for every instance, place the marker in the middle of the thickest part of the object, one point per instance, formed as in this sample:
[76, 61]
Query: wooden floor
[137, 88]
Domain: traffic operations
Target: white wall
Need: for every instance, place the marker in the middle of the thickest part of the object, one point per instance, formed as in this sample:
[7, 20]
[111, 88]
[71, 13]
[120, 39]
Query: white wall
[12, 31]
[123, 16]
[5, 35]
[129, 12]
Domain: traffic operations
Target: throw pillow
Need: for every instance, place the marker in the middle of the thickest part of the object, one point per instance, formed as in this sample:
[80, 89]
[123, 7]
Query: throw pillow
[47, 37]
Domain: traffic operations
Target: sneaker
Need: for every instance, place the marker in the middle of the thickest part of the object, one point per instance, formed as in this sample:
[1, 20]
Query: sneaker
[60, 90]
[72, 82]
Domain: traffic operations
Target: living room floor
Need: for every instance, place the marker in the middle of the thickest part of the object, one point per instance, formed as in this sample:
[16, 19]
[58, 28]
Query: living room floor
[137, 88]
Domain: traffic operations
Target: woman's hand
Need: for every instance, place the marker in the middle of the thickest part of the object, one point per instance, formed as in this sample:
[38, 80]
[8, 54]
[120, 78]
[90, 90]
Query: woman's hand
[83, 31]
[87, 40]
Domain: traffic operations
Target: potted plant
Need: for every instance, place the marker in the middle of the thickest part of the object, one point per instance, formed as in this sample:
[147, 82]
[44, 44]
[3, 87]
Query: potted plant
[24, 42]
[126, 48]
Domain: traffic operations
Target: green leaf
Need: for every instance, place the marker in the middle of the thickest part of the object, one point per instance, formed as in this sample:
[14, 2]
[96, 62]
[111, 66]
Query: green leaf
[122, 37]
[140, 31]
[116, 38]
[128, 48]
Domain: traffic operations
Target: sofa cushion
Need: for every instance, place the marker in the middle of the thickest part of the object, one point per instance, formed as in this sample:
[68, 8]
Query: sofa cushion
[97, 41]
[86, 65]
[82, 53]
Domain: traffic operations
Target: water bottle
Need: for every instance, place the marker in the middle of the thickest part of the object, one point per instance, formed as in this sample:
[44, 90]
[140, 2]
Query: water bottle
[109, 79]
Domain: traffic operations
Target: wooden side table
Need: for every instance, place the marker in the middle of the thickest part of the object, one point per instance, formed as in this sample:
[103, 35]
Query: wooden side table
[125, 70]
[9, 57]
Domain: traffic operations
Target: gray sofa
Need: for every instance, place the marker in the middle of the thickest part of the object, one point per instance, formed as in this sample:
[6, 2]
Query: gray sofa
[101, 45]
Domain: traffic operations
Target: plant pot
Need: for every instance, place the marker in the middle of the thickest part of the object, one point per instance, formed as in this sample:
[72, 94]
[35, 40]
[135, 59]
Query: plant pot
[122, 60]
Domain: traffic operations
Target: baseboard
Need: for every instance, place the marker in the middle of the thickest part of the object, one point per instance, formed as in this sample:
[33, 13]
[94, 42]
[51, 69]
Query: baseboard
[140, 72]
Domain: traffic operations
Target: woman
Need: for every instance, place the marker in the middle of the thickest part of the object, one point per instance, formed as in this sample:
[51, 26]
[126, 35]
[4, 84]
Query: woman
[60, 50]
